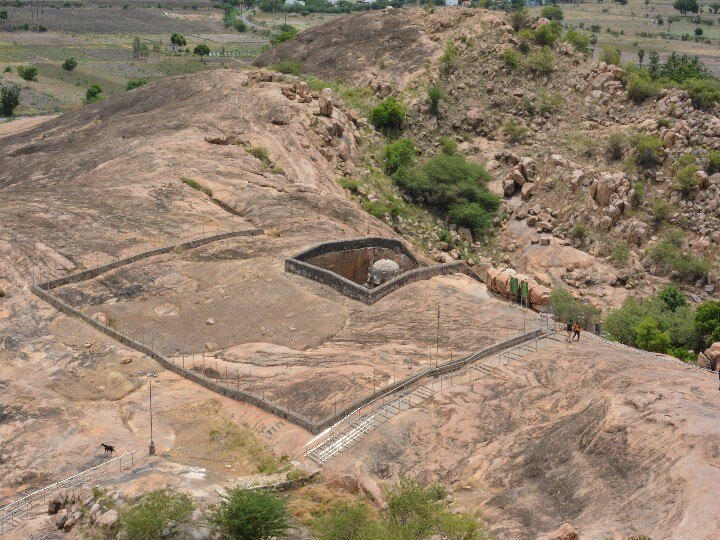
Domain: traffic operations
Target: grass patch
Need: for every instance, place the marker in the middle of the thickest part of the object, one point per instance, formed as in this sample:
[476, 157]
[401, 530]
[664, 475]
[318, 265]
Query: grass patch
[146, 519]
[197, 185]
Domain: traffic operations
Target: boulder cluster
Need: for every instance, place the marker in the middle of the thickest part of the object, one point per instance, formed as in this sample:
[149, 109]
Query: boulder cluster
[498, 281]
[71, 507]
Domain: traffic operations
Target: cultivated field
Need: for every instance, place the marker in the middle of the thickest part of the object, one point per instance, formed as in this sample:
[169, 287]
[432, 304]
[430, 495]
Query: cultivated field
[623, 25]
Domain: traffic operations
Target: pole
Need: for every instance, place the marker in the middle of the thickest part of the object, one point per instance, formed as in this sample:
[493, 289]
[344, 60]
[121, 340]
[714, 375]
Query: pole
[437, 338]
[152, 443]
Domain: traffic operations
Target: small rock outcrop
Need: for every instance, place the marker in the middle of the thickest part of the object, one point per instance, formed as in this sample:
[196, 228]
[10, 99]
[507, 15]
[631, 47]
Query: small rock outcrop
[325, 101]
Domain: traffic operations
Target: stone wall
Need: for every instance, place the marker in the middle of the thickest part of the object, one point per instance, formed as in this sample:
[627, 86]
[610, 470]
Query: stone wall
[300, 265]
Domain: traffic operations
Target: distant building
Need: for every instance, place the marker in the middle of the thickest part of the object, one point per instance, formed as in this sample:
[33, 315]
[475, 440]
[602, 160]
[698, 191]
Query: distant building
[451, 2]
[294, 3]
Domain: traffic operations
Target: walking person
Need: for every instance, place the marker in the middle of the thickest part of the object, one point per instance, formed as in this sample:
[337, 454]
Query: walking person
[576, 331]
[569, 330]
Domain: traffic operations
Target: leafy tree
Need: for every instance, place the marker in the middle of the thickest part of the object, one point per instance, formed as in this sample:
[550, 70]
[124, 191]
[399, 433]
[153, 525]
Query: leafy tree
[547, 34]
[398, 155]
[649, 337]
[146, 519]
[30, 74]
[135, 83]
[578, 40]
[680, 68]
[9, 99]
[707, 322]
[435, 94]
[686, 6]
[698, 31]
[610, 54]
[672, 297]
[519, 19]
[388, 115]
[178, 39]
[94, 93]
[654, 67]
[715, 7]
[552, 12]
[69, 64]
[567, 308]
[201, 50]
[641, 56]
[3, 16]
[250, 515]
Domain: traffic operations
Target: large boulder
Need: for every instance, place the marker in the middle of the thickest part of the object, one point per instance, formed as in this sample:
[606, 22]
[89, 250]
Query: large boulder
[108, 520]
[326, 102]
[713, 355]
[604, 189]
[56, 503]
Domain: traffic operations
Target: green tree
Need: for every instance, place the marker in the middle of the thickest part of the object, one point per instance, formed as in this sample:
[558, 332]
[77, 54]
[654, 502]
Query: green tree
[94, 93]
[654, 67]
[672, 297]
[398, 155]
[567, 308]
[686, 6]
[649, 337]
[201, 51]
[715, 7]
[388, 115]
[30, 74]
[178, 39]
[344, 522]
[707, 322]
[641, 56]
[9, 99]
[69, 64]
[610, 54]
[249, 515]
[704, 93]
[552, 12]
[146, 519]
[578, 40]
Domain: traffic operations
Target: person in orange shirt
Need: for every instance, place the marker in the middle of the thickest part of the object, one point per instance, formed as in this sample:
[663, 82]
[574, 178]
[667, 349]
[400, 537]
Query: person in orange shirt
[576, 331]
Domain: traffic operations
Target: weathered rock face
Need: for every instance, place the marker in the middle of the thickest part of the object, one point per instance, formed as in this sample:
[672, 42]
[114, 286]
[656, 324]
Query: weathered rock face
[713, 356]
[325, 102]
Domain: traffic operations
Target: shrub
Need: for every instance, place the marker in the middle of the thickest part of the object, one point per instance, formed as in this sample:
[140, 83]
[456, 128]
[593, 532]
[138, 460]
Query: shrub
[448, 146]
[249, 515]
[637, 194]
[289, 67]
[519, 19]
[201, 50]
[524, 37]
[670, 258]
[146, 519]
[648, 151]
[435, 94]
[399, 154]
[680, 68]
[707, 322]
[260, 153]
[514, 131]
[541, 62]
[9, 99]
[610, 55]
[69, 64]
[552, 13]
[350, 184]
[704, 93]
[713, 162]
[30, 74]
[567, 308]
[239, 25]
[547, 34]
[510, 58]
[135, 83]
[640, 88]
[578, 232]
[650, 338]
[471, 215]
[447, 60]
[616, 146]
[286, 35]
[661, 210]
[578, 40]
[672, 297]
[94, 93]
[664, 122]
[388, 116]
[344, 522]
[178, 39]
[686, 178]
[550, 103]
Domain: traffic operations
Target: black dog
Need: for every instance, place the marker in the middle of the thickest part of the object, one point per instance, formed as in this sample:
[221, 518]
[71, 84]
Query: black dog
[108, 448]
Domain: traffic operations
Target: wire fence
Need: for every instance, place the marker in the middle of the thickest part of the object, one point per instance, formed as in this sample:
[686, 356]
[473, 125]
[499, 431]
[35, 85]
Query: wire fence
[12, 514]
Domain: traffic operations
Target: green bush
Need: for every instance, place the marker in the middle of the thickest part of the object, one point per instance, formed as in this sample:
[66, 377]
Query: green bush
[541, 62]
[69, 64]
[668, 256]
[519, 19]
[471, 215]
[9, 99]
[713, 162]
[567, 308]
[649, 337]
[388, 116]
[680, 68]
[704, 93]
[641, 88]
[578, 232]
[94, 93]
[514, 131]
[547, 34]
[672, 297]
[289, 67]
[345, 522]
[399, 154]
[30, 74]
[435, 94]
[285, 35]
[146, 519]
[260, 153]
[707, 322]
[550, 103]
[610, 55]
[664, 122]
[350, 184]
[448, 146]
[578, 40]
[686, 178]
[616, 146]
[510, 58]
[449, 56]
[249, 515]
[201, 50]
[661, 210]
[552, 13]
[135, 83]
[648, 151]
